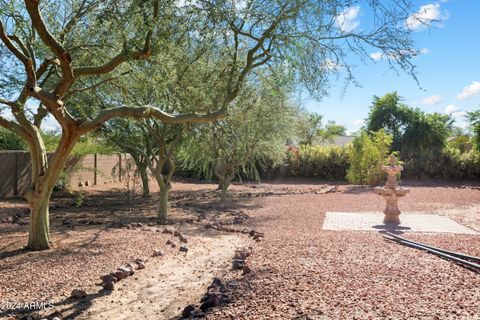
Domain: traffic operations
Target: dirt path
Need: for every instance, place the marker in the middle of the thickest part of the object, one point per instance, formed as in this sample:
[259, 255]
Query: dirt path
[168, 285]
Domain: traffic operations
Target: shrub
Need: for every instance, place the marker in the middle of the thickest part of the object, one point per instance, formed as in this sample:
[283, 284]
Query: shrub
[450, 163]
[63, 182]
[367, 154]
[326, 162]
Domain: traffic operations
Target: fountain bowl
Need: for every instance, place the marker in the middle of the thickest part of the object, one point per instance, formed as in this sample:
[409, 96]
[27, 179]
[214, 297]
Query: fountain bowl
[384, 191]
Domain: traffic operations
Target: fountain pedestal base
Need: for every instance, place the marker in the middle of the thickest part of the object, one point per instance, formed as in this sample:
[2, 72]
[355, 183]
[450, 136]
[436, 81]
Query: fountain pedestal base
[391, 211]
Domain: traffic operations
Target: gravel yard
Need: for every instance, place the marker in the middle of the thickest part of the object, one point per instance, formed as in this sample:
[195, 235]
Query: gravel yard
[299, 271]
[304, 272]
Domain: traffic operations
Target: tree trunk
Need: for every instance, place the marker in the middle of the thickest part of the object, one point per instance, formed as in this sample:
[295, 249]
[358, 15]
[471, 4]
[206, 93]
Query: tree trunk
[44, 177]
[223, 184]
[38, 236]
[144, 177]
[162, 209]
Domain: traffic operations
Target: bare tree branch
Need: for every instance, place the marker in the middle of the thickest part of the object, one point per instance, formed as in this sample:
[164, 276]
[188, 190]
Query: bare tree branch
[63, 55]
[148, 112]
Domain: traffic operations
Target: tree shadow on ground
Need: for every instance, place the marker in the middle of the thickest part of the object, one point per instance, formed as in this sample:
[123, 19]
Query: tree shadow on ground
[67, 309]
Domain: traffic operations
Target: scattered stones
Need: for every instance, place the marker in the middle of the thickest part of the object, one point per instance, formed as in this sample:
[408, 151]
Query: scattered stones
[183, 249]
[214, 296]
[120, 275]
[78, 294]
[157, 253]
[110, 286]
[108, 278]
[122, 272]
[170, 243]
[238, 262]
[189, 311]
[246, 269]
[140, 265]
[167, 231]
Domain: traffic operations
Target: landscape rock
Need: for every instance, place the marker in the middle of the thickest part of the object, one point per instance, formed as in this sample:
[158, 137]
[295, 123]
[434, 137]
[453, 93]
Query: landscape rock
[246, 269]
[212, 300]
[167, 231]
[78, 294]
[109, 277]
[170, 243]
[119, 274]
[110, 286]
[189, 311]
[157, 253]
[183, 249]
[140, 265]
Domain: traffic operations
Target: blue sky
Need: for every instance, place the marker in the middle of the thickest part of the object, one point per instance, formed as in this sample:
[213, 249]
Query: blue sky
[448, 69]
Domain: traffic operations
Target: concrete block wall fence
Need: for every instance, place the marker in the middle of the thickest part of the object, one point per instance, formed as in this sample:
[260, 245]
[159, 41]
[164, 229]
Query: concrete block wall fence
[90, 169]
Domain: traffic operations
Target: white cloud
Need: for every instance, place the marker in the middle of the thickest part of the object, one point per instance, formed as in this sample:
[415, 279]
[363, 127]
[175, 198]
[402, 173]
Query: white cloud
[331, 65]
[459, 114]
[428, 15]
[451, 108]
[377, 56]
[423, 51]
[431, 100]
[358, 122]
[470, 91]
[348, 20]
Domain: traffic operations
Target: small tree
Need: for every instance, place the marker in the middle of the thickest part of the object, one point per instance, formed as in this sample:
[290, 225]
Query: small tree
[313, 131]
[254, 131]
[367, 154]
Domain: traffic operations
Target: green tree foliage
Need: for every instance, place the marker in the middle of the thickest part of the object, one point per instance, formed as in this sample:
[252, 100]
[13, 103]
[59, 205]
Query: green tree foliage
[390, 114]
[474, 119]
[367, 155]
[253, 134]
[313, 131]
[10, 140]
[419, 137]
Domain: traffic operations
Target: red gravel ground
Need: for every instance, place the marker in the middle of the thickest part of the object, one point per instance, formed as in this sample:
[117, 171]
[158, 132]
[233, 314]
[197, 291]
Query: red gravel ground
[299, 271]
[303, 272]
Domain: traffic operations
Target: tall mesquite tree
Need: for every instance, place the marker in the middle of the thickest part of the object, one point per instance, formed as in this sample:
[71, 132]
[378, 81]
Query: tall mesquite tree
[55, 50]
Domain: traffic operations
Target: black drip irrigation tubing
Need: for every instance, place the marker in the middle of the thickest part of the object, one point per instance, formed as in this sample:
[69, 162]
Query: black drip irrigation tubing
[461, 259]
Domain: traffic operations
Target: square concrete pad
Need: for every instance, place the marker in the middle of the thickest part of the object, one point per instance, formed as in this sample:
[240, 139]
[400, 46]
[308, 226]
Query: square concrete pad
[410, 222]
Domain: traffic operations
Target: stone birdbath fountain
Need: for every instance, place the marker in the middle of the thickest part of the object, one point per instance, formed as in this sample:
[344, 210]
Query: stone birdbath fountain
[391, 192]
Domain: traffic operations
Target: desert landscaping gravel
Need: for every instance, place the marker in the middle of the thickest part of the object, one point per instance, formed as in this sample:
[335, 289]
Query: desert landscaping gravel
[298, 270]
[303, 272]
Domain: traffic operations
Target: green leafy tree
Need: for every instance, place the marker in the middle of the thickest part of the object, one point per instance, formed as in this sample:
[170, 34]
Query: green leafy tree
[313, 131]
[10, 140]
[388, 113]
[367, 155]
[414, 132]
[254, 132]
[474, 119]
